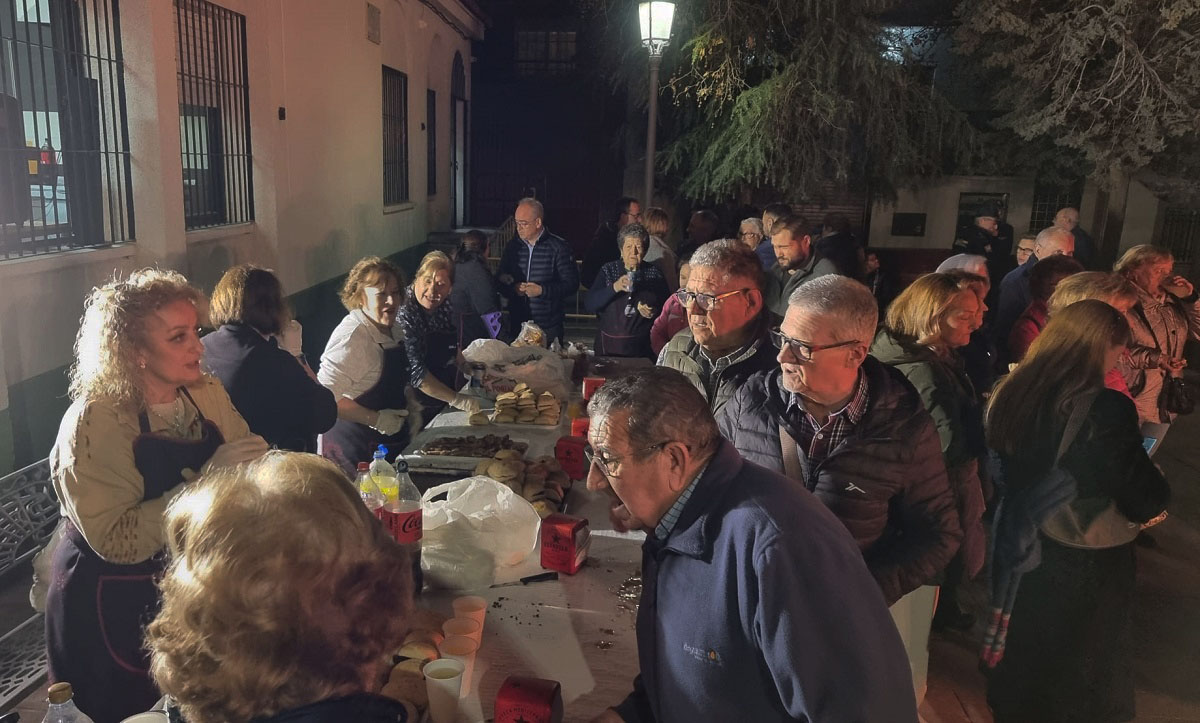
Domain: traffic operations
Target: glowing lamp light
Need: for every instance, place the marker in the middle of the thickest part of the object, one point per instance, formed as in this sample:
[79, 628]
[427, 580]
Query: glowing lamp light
[656, 18]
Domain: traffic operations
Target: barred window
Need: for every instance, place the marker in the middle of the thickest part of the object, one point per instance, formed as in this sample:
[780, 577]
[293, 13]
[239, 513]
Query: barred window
[64, 139]
[545, 52]
[395, 136]
[1047, 200]
[431, 137]
[1181, 232]
[214, 115]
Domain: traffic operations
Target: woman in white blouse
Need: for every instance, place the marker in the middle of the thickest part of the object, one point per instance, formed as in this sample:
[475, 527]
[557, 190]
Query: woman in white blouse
[366, 368]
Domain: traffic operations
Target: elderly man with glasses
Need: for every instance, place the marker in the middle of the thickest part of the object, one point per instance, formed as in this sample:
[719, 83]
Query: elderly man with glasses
[756, 604]
[537, 272]
[853, 431]
[753, 234]
[726, 340]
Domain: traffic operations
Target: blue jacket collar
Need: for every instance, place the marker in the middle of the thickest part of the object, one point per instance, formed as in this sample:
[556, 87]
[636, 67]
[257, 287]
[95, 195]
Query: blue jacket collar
[693, 534]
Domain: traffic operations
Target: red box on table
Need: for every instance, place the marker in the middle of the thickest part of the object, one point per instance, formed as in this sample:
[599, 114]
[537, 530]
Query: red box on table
[565, 543]
[529, 700]
[569, 453]
[590, 385]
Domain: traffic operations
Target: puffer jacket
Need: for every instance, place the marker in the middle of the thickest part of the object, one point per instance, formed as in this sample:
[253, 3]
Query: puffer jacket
[950, 399]
[682, 353]
[1158, 327]
[886, 481]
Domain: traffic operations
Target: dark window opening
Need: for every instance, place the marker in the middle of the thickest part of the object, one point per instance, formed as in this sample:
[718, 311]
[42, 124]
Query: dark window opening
[395, 136]
[214, 115]
[545, 52]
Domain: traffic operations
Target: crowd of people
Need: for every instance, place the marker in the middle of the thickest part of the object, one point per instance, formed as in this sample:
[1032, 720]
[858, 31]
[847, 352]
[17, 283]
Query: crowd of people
[814, 457]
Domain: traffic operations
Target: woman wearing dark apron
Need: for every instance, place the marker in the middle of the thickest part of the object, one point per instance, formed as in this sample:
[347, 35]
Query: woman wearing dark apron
[431, 338]
[627, 296]
[366, 367]
[144, 421]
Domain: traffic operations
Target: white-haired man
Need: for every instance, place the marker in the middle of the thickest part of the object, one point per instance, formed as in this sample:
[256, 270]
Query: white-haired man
[537, 271]
[1015, 294]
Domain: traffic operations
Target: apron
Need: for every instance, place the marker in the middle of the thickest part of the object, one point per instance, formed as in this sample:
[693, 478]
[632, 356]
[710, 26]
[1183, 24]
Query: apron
[441, 360]
[349, 443]
[96, 610]
[623, 334]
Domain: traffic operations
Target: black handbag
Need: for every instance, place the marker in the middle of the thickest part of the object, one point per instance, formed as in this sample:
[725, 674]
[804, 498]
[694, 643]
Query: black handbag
[1176, 396]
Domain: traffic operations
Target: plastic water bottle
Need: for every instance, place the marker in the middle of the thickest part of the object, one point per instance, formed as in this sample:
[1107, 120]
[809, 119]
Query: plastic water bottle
[383, 474]
[62, 708]
[371, 496]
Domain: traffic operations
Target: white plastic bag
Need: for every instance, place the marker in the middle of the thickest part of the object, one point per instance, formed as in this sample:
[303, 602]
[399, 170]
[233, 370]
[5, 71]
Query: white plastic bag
[507, 366]
[41, 567]
[481, 527]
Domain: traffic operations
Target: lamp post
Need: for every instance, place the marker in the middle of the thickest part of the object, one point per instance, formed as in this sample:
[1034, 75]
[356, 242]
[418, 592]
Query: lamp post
[655, 19]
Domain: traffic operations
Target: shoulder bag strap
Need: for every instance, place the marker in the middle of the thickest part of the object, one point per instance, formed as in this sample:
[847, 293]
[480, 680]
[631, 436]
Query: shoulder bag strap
[791, 455]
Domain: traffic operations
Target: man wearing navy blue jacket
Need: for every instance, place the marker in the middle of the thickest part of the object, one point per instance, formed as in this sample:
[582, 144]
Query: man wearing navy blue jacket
[756, 604]
[537, 272]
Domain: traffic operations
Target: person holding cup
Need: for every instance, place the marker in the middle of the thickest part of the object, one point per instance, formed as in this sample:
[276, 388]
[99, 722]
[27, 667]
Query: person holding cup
[303, 635]
[626, 297]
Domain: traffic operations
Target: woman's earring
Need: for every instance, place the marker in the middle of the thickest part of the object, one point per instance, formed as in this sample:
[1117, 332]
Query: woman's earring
[141, 364]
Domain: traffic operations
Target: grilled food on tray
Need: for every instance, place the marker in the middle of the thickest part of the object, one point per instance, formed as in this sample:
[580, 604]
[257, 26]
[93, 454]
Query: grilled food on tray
[485, 446]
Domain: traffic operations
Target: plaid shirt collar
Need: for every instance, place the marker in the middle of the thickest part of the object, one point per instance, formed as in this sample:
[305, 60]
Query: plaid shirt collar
[669, 520]
[852, 413]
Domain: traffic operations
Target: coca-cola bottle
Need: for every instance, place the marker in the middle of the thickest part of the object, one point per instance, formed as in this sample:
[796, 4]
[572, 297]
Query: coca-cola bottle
[404, 519]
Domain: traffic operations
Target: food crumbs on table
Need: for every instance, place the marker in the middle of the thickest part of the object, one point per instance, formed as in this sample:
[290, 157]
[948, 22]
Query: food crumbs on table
[604, 644]
[608, 631]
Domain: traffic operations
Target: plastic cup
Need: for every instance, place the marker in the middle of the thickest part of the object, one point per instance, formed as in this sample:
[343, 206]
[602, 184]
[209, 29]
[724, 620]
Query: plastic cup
[465, 627]
[462, 649]
[443, 683]
[471, 606]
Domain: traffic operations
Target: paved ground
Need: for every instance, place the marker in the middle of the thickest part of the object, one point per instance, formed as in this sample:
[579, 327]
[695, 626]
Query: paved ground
[1167, 618]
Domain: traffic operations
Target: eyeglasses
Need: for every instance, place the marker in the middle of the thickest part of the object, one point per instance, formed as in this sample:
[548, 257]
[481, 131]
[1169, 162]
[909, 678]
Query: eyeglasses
[525, 224]
[802, 350]
[751, 234]
[708, 302]
[607, 464]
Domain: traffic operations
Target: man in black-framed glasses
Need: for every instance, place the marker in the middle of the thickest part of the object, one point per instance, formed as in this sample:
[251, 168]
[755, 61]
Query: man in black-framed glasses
[854, 432]
[738, 565]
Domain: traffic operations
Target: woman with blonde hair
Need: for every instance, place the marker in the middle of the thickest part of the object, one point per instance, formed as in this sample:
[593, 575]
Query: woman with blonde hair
[922, 330]
[143, 421]
[365, 365]
[302, 633]
[658, 225]
[1114, 290]
[431, 337]
[1166, 314]
[1069, 637]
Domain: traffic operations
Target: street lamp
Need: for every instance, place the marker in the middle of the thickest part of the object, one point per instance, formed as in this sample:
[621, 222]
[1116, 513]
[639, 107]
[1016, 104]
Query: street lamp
[655, 19]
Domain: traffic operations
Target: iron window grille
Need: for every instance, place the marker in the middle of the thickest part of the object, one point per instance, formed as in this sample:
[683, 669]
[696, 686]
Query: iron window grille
[1181, 233]
[214, 115]
[1048, 200]
[545, 52]
[64, 139]
[395, 136]
[431, 138]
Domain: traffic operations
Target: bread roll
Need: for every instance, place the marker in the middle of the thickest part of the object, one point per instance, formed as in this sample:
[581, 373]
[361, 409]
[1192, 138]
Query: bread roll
[418, 651]
[429, 637]
[482, 467]
[508, 454]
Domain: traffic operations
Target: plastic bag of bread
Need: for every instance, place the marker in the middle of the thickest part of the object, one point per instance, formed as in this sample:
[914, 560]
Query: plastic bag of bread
[481, 526]
[531, 335]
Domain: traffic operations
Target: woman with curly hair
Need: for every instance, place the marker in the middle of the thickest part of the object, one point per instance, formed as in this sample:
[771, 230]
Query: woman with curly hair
[144, 420]
[366, 366]
[300, 633]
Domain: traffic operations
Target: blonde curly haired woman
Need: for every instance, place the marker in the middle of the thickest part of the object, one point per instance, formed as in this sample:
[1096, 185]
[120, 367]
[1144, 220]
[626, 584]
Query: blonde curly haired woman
[298, 634]
[144, 420]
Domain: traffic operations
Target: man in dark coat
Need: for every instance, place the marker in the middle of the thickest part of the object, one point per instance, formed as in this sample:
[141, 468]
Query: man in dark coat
[537, 272]
[603, 248]
[755, 604]
[1015, 294]
[854, 432]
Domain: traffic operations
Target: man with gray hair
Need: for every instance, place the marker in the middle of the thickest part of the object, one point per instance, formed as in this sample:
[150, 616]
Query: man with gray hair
[1085, 248]
[1015, 294]
[537, 272]
[726, 340]
[754, 235]
[853, 431]
[756, 604]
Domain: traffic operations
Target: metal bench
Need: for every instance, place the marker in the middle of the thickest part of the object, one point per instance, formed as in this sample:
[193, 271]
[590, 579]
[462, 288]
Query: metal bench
[28, 513]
